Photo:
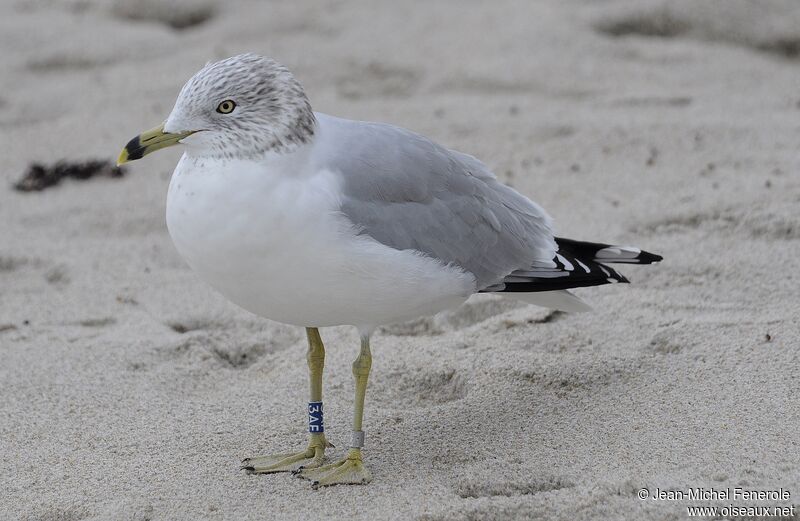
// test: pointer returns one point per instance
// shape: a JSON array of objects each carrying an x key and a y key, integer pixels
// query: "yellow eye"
[{"x": 226, "y": 107}]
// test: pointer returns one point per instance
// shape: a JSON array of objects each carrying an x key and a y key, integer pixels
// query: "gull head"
[{"x": 239, "y": 107}]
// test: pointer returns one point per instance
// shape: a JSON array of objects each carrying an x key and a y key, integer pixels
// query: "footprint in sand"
[
  {"x": 176, "y": 14},
  {"x": 768, "y": 26}
]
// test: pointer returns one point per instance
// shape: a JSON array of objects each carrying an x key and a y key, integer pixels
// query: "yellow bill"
[{"x": 150, "y": 141}]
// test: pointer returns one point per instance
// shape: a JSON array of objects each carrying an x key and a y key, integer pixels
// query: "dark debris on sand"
[{"x": 39, "y": 176}]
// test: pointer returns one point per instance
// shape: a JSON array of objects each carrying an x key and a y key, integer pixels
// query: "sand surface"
[{"x": 130, "y": 391}]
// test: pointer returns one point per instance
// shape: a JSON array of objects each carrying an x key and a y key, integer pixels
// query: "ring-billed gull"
[{"x": 314, "y": 220}]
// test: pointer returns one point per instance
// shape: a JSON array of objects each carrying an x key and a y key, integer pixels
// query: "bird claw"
[
  {"x": 287, "y": 462},
  {"x": 348, "y": 471}
]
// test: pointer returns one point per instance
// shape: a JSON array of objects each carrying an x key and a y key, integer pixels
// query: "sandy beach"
[{"x": 130, "y": 390}]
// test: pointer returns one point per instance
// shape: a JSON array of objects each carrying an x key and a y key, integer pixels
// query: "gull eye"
[{"x": 226, "y": 107}]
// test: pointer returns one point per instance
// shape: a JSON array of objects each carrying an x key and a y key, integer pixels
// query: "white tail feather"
[{"x": 561, "y": 300}]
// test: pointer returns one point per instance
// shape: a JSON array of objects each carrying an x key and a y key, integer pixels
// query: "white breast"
[{"x": 270, "y": 238}]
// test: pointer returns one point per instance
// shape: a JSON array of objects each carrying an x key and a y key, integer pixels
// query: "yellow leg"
[
  {"x": 315, "y": 452},
  {"x": 350, "y": 470}
]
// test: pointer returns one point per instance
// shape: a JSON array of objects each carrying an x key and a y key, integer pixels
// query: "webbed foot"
[{"x": 348, "y": 471}]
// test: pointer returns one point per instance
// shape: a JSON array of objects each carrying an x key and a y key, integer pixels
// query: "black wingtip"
[
  {"x": 584, "y": 249},
  {"x": 645, "y": 257}
]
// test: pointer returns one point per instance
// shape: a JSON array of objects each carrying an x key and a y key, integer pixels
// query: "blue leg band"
[{"x": 315, "y": 424}]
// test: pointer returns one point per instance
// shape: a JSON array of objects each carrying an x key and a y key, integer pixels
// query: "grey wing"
[{"x": 409, "y": 193}]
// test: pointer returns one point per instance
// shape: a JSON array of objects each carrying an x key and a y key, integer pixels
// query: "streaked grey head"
[{"x": 241, "y": 107}]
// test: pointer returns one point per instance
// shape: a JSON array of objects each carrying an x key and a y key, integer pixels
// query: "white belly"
[{"x": 276, "y": 245}]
